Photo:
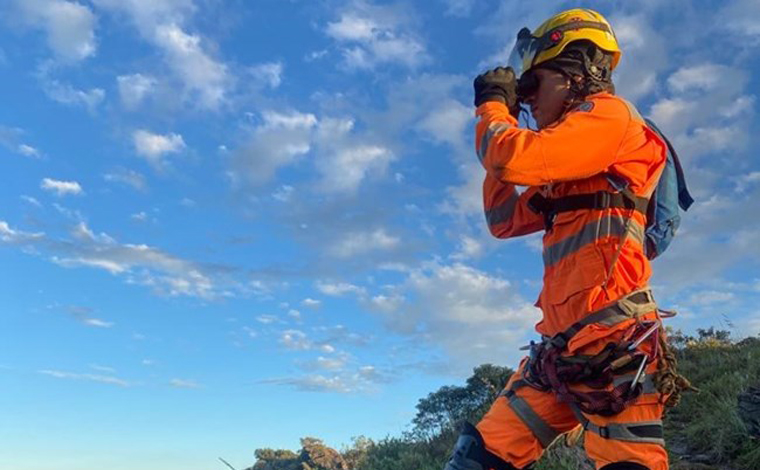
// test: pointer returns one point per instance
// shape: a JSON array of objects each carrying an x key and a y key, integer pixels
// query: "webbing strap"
[
  {"x": 646, "y": 432},
  {"x": 630, "y": 306},
  {"x": 543, "y": 432},
  {"x": 550, "y": 207}
]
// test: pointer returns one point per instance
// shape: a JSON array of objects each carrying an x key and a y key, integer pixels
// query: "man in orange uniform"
[{"x": 590, "y": 144}]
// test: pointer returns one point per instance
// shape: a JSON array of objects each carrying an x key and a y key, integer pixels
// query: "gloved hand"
[{"x": 499, "y": 84}]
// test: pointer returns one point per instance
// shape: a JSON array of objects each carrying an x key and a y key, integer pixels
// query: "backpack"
[{"x": 670, "y": 195}]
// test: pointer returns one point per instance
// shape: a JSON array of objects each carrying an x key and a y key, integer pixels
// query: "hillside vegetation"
[{"x": 717, "y": 428}]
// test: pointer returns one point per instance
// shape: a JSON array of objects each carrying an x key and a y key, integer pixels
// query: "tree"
[{"x": 441, "y": 411}]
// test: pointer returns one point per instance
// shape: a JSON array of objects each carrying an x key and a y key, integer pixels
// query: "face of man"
[{"x": 548, "y": 102}]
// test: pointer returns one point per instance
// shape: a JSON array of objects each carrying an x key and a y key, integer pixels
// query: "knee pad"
[
  {"x": 624, "y": 466},
  {"x": 470, "y": 453}
]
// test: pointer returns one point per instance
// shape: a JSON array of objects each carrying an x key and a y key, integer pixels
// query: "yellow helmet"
[{"x": 550, "y": 39}]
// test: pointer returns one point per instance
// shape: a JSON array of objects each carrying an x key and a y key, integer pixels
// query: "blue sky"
[{"x": 231, "y": 224}]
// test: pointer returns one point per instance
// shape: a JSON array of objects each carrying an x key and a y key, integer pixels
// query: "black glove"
[{"x": 499, "y": 84}]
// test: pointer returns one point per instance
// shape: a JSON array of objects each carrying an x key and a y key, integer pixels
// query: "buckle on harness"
[
  {"x": 559, "y": 341},
  {"x": 602, "y": 199}
]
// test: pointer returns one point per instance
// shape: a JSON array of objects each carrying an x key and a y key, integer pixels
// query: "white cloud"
[
  {"x": 98, "y": 323},
  {"x": 128, "y": 177},
  {"x": 133, "y": 89},
  {"x": 268, "y": 74},
  {"x": 278, "y": 142},
  {"x": 28, "y": 151},
  {"x": 459, "y": 7},
  {"x": 10, "y": 138},
  {"x": 83, "y": 315},
  {"x": 200, "y": 73},
  {"x": 205, "y": 79},
  {"x": 31, "y": 200},
  {"x": 295, "y": 340},
  {"x": 68, "y": 95},
  {"x": 183, "y": 383},
  {"x": 645, "y": 56},
  {"x": 469, "y": 248},
  {"x": 343, "y": 160},
  {"x": 352, "y": 28},
  {"x": 360, "y": 243},
  {"x": 702, "y": 77},
  {"x": 284, "y": 193},
  {"x": 266, "y": 319},
  {"x": 61, "y": 188},
  {"x": 69, "y": 26},
  {"x": 347, "y": 168},
  {"x": 156, "y": 146},
  {"x": 88, "y": 377},
  {"x": 361, "y": 379},
  {"x": 744, "y": 182},
  {"x": 473, "y": 316},
  {"x": 387, "y": 303},
  {"x": 372, "y": 35},
  {"x": 9, "y": 235},
  {"x": 137, "y": 264},
  {"x": 711, "y": 297},
  {"x": 741, "y": 17},
  {"x": 338, "y": 289},
  {"x": 139, "y": 216},
  {"x": 448, "y": 121},
  {"x": 311, "y": 303}
]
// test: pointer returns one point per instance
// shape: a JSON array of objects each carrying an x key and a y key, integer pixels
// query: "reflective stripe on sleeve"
[
  {"x": 493, "y": 129},
  {"x": 502, "y": 213},
  {"x": 608, "y": 226}
]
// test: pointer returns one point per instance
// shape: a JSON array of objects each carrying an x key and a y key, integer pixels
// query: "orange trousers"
[{"x": 506, "y": 435}]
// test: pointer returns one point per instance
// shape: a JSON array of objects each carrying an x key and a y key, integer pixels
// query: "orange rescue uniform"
[{"x": 585, "y": 266}]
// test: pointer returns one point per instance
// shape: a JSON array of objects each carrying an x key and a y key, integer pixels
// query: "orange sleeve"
[
  {"x": 507, "y": 212},
  {"x": 584, "y": 143}
]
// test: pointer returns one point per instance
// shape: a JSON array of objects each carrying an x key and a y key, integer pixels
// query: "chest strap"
[{"x": 550, "y": 207}]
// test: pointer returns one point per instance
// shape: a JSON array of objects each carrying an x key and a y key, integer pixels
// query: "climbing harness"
[{"x": 620, "y": 364}]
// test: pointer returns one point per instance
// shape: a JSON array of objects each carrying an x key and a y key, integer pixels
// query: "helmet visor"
[{"x": 525, "y": 50}]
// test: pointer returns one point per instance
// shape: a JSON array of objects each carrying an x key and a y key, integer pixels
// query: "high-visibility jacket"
[{"x": 585, "y": 267}]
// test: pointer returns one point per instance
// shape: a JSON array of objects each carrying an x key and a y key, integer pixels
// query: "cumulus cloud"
[
  {"x": 154, "y": 147},
  {"x": 133, "y": 89},
  {"x": 65, "y": 93},
  {"x": 360, "y": 243},
  {"x": 267, "y": 74},
  {"x": 644, "y": 59},
  {"x": 371, "y": 35},
  {"x": 201, "y": 74},
  {"x": 344, "y": 170},
  {"x": 279, "y": 141},
  {"x": 61, "y": 188},
  {"x": 343, "y": 159},
  {"x": 205, "y": 79},
  {"x": 68, "y": 25},
  {"x": 295, "y": 340},
  {"x": 473, "y": 316}
]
